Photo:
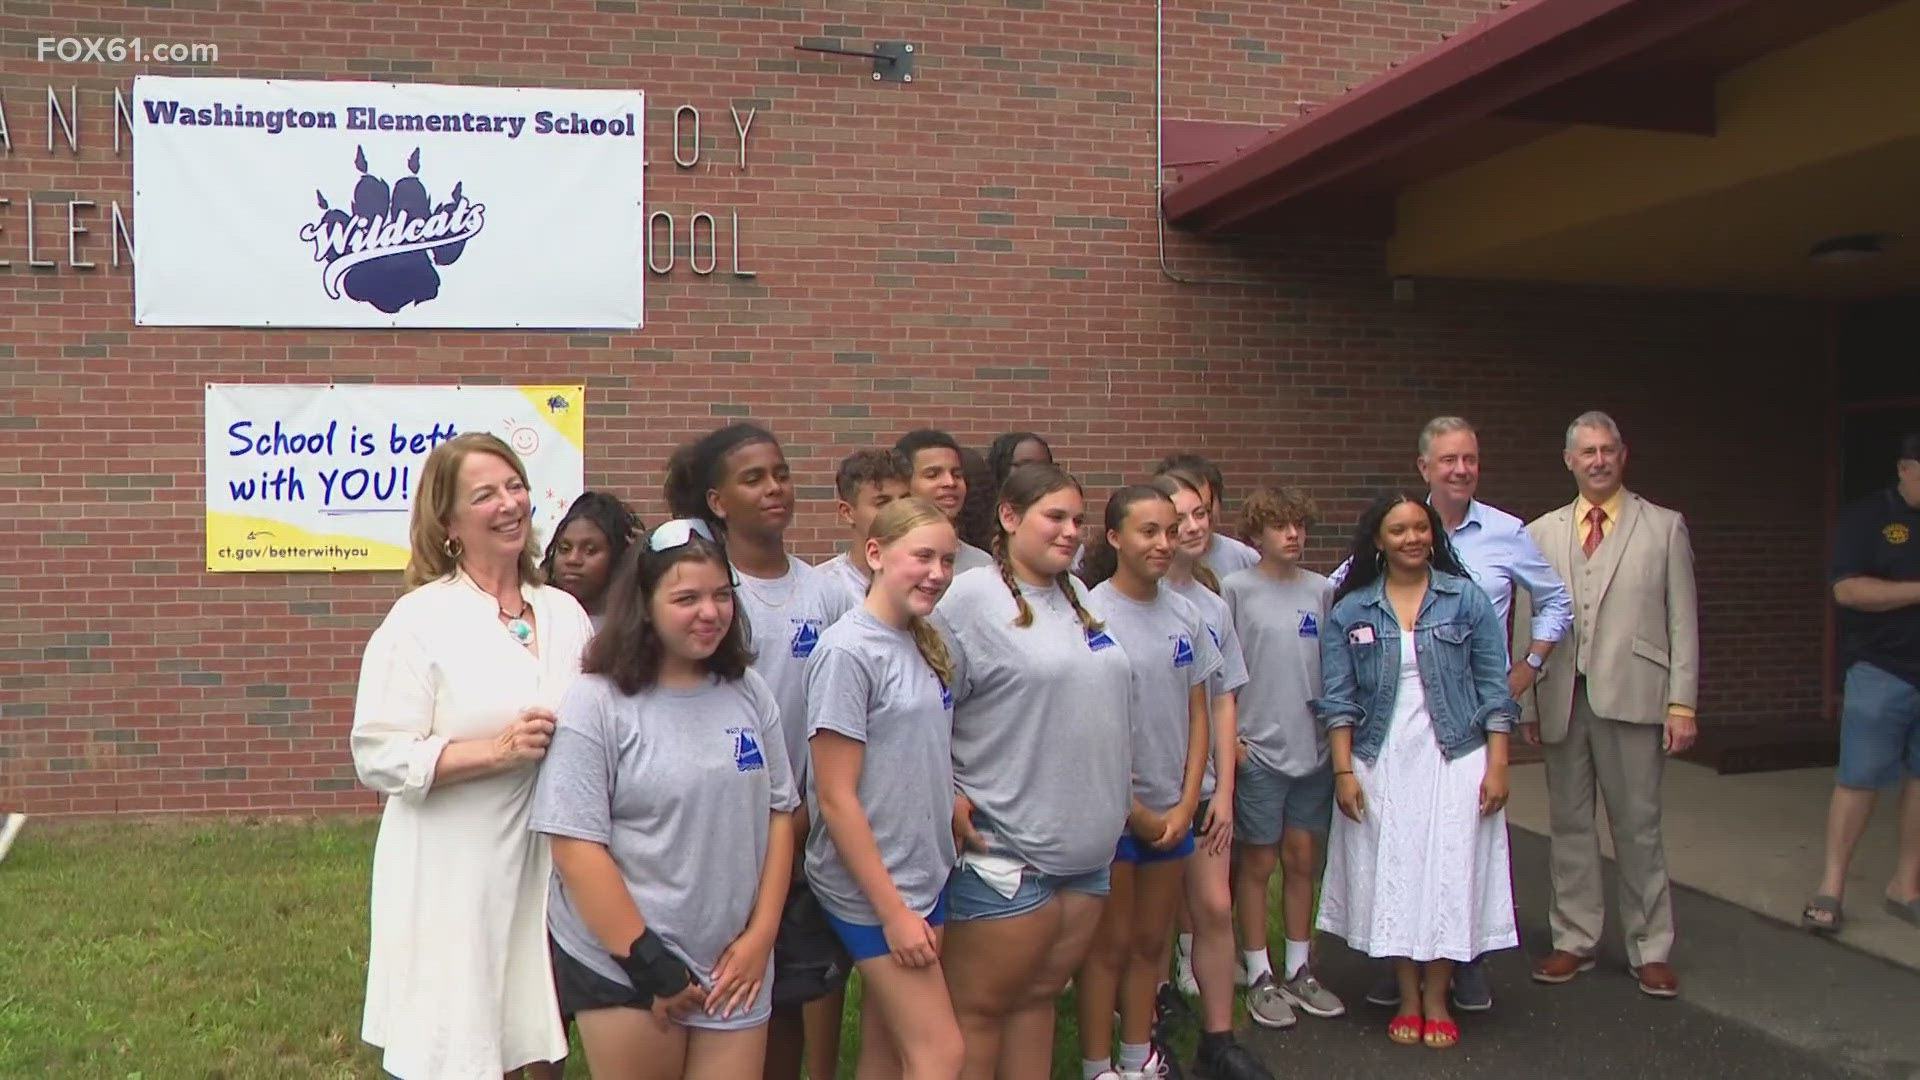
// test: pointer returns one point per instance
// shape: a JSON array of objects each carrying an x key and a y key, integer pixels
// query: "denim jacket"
[{"x": 1462, "y": 653}]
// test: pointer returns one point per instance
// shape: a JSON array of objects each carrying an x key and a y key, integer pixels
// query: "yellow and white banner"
[{"x": 323, "y": 477}]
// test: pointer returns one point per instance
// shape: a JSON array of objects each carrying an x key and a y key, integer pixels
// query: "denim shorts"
[
  {"x": 969, "y": 897},
  {"x": 1266, "y": 803},
  {"x": 1879, "y": 728},
  {"x": 1131, "y": 849},
  {"x": 865, "y": 942}
]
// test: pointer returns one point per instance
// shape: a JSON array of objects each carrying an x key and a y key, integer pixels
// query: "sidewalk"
[{"x": 1757, "y": 840}]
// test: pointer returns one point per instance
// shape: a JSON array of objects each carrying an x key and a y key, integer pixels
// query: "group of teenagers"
[{"x": 669, "y": 785}]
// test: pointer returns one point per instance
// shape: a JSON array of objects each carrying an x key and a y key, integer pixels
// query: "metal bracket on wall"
[{"x": 892, "y": 60}]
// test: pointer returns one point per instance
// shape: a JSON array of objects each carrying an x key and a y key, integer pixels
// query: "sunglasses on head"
[{"x": 678, "y": 533}]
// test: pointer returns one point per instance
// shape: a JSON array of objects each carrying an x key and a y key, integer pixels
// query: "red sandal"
[
  {"x": 1407, "y": 1030},
  {"x": 1441, "y": 1035}
]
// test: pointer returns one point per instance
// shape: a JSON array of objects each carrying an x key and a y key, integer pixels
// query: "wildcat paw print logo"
[
  {"x": 805, "y": 638},
  {"x": 383, "y": 249},
  {"x": 746, "y": 751},
  {"x": 1183, "y": 651}
]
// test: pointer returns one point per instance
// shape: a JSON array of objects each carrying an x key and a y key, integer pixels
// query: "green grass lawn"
[{"x": 228, "y": 949}]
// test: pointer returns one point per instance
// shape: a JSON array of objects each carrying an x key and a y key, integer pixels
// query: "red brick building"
[{"x": 977, "y": 249}]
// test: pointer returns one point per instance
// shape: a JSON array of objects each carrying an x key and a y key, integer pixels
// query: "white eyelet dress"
[{"x": 1424, "y": 875}]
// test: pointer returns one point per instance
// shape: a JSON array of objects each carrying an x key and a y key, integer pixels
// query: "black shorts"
[
  {"x": 580, "y": 988},
  {"x": 809, "y": 959}
]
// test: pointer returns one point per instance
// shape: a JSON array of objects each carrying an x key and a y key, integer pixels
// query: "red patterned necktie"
[{"x": 1594, "y": 534}]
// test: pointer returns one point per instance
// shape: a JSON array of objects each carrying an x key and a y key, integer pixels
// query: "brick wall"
[{"x": 975, "y": 250}]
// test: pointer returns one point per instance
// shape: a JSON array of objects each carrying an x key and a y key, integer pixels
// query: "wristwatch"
[{"x": 1536, "y": 661}]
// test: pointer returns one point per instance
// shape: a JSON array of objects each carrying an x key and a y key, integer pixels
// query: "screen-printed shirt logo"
[
  {"x": 805, "y": 636},
  {"x": 1182, "y": 651},
  {"x": 746, "y": 750}
]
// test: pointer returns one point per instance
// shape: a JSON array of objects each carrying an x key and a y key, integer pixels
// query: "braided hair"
[{"x": 1026, "y": 485}]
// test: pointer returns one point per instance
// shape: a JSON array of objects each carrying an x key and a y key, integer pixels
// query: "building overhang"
[{"x": 1665, "y": 143}]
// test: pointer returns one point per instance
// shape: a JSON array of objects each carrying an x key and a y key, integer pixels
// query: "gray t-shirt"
[
  {"x": 840, "y": 571},
  {"x": 786, "y": 616},
  {"x": 1170, "y": 653},
  {"x": 869, "y": 683},
  {"x": 1279, "y": 624},
  {"x": 1233, "y": 666},
  {"x": 970, "y": 557},
  {"x": 680, "y": 786},
  {"x": 1041, "y": 738},
  {"x": 1227, "y": 556}
]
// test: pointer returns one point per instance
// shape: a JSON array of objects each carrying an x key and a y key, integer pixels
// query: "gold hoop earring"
[{"x": 452, "y": 547}]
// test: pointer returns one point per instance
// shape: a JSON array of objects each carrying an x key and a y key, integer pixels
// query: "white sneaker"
[
  {"x": 1155, "y": 1068},
  {"x": 9, "y": 828},
  {"x": 1183, "y": 979}
]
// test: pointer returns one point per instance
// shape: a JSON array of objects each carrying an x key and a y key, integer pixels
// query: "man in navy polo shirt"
[{"x": 1876, "y": 582}]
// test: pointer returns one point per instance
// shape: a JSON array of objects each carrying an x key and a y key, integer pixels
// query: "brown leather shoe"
[
  {"x": 1560, "y": 966},
  {"x": 1658, "y": 979}
]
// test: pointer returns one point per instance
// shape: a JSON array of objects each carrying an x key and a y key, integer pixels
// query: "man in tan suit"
[{"x": 1614, "y": 699}]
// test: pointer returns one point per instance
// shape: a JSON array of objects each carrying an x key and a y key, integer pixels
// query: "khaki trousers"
[{"x": 1627, "y": 762}]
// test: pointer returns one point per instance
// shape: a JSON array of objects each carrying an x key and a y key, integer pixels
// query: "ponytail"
[{"x": 933, "y": 649}]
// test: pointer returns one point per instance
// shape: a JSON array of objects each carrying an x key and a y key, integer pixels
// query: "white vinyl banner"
[
  {"x": 323, "y": 477},
  {"x": 266, "y": 202}
]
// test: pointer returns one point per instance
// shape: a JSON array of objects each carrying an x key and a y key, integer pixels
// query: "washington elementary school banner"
[
  {"x": 266, "y": 202},
  {"x": 323, "y": 477}
]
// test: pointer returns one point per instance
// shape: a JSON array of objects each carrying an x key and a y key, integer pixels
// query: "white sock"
[
  {"x": 1184, "y": 942},
  {"x": 1090, "y": 1068},
  {"x": 1296, "y": 957},
  {"x": 1133, "y": 1056},
  {"x": 1256, "y": 963}
]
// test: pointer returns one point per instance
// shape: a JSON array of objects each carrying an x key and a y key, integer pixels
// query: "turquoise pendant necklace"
[{"x": 518, "y": 626}]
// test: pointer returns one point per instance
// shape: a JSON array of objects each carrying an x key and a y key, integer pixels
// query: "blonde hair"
[
  {"x": 895, "y": 520},
  {"x": 430, "y": 558},
  {"x": 1025, "y": 485}
]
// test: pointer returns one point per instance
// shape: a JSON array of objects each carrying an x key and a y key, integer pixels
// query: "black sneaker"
[
  {"x": 1170, "y": 1007},
  {"x": 1229, "y": 1061}
]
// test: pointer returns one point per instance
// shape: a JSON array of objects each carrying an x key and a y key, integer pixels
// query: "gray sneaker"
[
  {"x": 1305, "y": 993},
  {"x": 1267, "y": 1003}
]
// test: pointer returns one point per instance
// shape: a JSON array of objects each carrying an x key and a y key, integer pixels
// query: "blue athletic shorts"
[
  {"x": 1130, "y": 849},
  {"x": 865, "y": 942}
]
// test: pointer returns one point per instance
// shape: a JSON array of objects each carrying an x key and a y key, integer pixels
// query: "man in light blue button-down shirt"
[{"x": 1501, "y": 555}]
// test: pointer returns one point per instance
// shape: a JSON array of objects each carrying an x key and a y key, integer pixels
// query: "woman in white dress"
[
  {"x": 455, "y": 708},
  {"x": 1414, "y": 696}
]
